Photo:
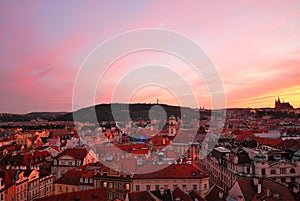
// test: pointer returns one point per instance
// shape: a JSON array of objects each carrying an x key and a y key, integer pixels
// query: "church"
[{"x": 282, "y": 105}]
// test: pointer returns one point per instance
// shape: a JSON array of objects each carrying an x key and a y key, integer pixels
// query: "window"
[
  {"x": 292, "y": 171},
  {"x": 116, "y": 186},
  {"x": 175, "y": 186},
  {"x": 263, "y": 171},
  {"x": 115, "y": 195},
  {"x": 104, "y": 184},
  {"x": 248, "y": 170},
  {"x": 148, "y": 187},
  {"x": 137, "y": 187},
  {"x": 184, "y": 187},
  {"x": 205, "y": 186},
  {"x": 293, "y": 179},
  {"x": 127, "y": 187},
  {"x": 157, "y": 187},
  {"x": 195, "y": 187},
  {"x": 282, "y": 171},
  {"x": 282, "y": 180},
  {"x": 273, "y": 171}
]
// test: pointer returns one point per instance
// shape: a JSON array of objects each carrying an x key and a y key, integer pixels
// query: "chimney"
[
  {"x": 221, "y": 194},
  {"x": 259, "y": 188}
]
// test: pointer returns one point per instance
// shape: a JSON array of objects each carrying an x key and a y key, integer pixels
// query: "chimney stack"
[
  {"x": 221, "y": 194},
  {"x": 259, "y": 188}
]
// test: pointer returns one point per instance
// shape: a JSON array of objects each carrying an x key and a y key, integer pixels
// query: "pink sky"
[{"x": 255, "y": 46}]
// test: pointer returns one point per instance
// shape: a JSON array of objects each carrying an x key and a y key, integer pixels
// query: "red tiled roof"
[
  {"x": 71, "y": 177},
  {"x": 158, "y": 140},
  {"x": 98, "y": 194},
  {"x": 262, "y": 141},
  {"x": 195, "y": 195},
  {"x": 134, "y": 148},
  {"x": 178, "y": 193},
  {"x": 290, "y": 144},
  {"x": 249, "y": 190},
  {"x": 76, "y": 153},
  {"x": 178, "y": 171},
  {"x": 9, "y": 177},
  {"x": 142, "y": 196},
  {"x": 35, "y": 157},
  {"x": 214, "y": 194},
  {"x": 246, "y": 188}
]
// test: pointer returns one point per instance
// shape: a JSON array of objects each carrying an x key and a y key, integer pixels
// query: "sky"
[{"x": 254, "y": 45}]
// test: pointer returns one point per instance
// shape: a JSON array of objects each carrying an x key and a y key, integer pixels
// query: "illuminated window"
[
  {"x": 127, "y": 187},
  {"x": 104, "y": 184}
]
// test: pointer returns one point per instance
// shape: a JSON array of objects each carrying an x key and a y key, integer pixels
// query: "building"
[
  {"x": 68, "y": 159},
  {"x": 282, "y": 105},
  {"x": 184, "y": 176},
  {"x": 76, "y": 179},
  {"x": 117, "y": 184},
  {"x": 24, "y": 140},
  {"x": 25, "y": 185},
  {"x": 255, "y": 190},
  {"x": 278, "y": 169},
  {"x": 226, "y": 166}
]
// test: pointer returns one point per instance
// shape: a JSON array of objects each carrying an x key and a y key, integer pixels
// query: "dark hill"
[{"x": 122, "y": 112}]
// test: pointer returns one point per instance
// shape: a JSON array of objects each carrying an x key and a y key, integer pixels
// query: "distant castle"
[{"x": 282, "y": 105}]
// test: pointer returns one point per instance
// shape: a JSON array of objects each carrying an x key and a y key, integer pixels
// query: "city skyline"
[{"x": 255, "y": 47}]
